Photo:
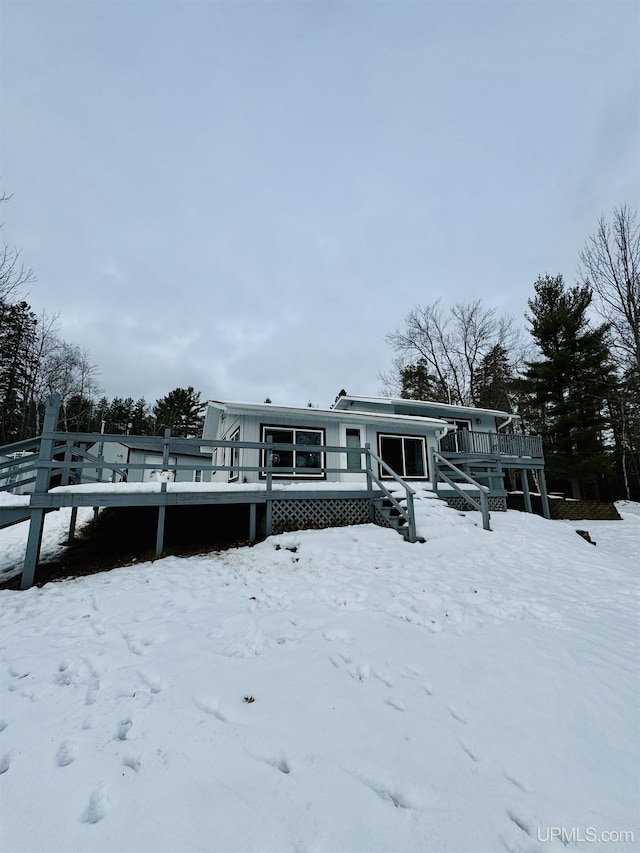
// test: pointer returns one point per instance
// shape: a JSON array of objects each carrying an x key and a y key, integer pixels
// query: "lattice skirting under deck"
[
  {"x": 317, "y": 514},
  {"x": 496, "y": 504}
]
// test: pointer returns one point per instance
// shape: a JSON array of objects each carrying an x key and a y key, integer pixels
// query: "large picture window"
[
  {"x": 404, "y": 454},
  {"x": 307, "y": 461}
]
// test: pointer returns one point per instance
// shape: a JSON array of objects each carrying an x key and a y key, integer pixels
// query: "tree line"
[{"x": 574, "y": 378}]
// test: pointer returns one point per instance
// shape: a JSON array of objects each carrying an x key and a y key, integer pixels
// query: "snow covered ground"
[
  {"x": 334, "y": 690},
  {"x": 13, "y": 539}
]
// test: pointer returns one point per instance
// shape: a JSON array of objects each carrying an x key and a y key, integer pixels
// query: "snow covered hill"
[{"x": 328, "y": 691}]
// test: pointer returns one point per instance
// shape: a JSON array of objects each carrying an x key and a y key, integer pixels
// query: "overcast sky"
[{"x": 247, "y": 197}]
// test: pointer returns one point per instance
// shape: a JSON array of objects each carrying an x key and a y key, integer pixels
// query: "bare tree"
[
  {"x": 610, "y": 264},
  {"x": 452, "y": 344},
  {"x": 13, "y": 273},
  {"x": 69, "y": 372}
]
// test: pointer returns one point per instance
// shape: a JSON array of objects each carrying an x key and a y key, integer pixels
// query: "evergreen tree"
[
  {"x": 565, "y": 390},
  {"x": 17, "y": 336},
  {"x": 493, "y": 381},
  {"x": 180, "y": 410},
  {"x": 141, "y": 420},
  {"x": 417, "y": 383},
  {"x": 119, "y": 416}
]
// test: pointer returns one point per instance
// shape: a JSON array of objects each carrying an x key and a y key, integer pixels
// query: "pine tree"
[
  {"x": 17, "y": 335},
  {"x": 180, "y": 410},
  {"x": 141, "y": 420},
  {"x": 493, "y": 381},
  {"x": 564, "y": 391},
  {"x": 417, "y": 383}
]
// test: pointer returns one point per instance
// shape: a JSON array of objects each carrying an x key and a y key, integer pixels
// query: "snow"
[
  {"x": 469, "y": 694},
  {"x": 156, "y": 486},
  {"x": 13, "y": 540}
]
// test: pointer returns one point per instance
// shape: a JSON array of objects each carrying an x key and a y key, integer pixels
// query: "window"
[
  {"x": 309, "y": 463},
  {"x": 404, "y": 454},
  {"x": 197, "y": 476},
  {"x": 353, "y": 439},
  {"x": 234, "y": 456}
]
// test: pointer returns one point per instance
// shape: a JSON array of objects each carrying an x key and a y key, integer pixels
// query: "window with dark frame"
[
  {"x": 404, "y": 454},
  {"x": 308, "y": 462}
]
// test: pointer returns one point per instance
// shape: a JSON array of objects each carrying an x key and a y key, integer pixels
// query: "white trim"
[
  {"x": 425, "y": 466},
  {"x": 307, "y": 413},
  {"x": 234, "y": 452}
]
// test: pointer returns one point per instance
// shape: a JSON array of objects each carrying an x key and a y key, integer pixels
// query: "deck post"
[
  {"x": 72, "y": 524},
  {"x": 372, "y": 510},
  {"x": 252, "y": 523},
  {"x": 162, "y": 510},
  {"x": 269, "y": 490},
  {"x": 43, "y": 477},
  {"x": 160, "y": 531},
  {"x": 34, "y": 541},
  {"x": 526, "y": 494},
  {"x": 412, "y": 518},
  {"x": 543, "y": 494}
]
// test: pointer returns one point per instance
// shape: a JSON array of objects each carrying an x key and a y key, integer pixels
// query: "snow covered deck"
[{"x": 173, "y": 494}]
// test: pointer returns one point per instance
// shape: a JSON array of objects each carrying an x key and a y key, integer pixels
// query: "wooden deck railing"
[{"x": 494, "y": 444}]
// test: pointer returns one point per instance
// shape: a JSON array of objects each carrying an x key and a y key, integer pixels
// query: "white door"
[{"x": 352, "y": 435}]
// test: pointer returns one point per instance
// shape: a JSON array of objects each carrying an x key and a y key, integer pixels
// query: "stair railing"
[
  {"x": 408, "y": 512},
  {"x": 437, "y": 460}
]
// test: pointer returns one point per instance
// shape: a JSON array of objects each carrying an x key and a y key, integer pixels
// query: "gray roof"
[{"x": 177, "y": 446}]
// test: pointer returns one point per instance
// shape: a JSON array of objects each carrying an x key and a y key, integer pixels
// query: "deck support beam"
[
  {"x": 543, "y": 494},
  {"x": 72, "y": 524},
  {"x": 36, "y": 526},
  {"x": 526, "y": 494},
  {"x": 162, "y": 511},
  {"x": 252, "y": 523}
]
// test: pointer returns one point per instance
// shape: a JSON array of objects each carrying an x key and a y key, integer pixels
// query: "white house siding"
[{"x": 334, "y": 426}]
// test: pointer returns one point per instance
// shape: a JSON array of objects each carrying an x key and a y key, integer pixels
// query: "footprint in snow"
[
  {"x": 384, "y": 678},
  {"x": 67, "y": 753},
  {"x": 515, "y": 781},
  {"x": 211, "y": 707},
  {"x": 152, "y": 682},
  {"x": 3, "y": 725},
  {"x": 410, "y": 670},
  {"x": 123, "y": 729},
  {"x": 519, "y": 821},
  {"x": 456, "y": 714},
  {"x": 472, "y": 755},
  {"x": 361, "y": 671},
  {"x": 280, "y": 762},
  {"x": 96, "y": 809},
  {"x": 132, "y": 761},
  {"x": 5, "y": 762},
  {"x": 395, "y": 703}
]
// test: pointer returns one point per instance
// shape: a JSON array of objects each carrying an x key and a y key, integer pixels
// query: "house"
[
  {"x": 458, "y": 451},
  {"x": 403, "y": 442},
  {"x": 136, "y": 451}
]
